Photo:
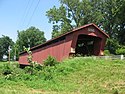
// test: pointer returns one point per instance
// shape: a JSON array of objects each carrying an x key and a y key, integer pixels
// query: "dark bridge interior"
[{"x": 85, "y": 45}]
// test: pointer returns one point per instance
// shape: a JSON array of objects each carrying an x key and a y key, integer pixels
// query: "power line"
[
  {"x": 26, "y": 12},
  {"x": 33, "y": 12}
]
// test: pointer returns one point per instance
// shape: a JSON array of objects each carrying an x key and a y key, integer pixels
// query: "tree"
[
  {"x": 5, "y": 43},
  {"x": 121, "y": 21},
  {"x": 110, "y": 10},
  {"x": 75, "y": 13},
  {"x": 72, "y": 14},
  {"x": 110, "y": 24},
  {"x": 29, "y": 38}
]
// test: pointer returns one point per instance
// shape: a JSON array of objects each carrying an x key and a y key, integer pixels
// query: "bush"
[
  {"x": 33, "y": 68},
  {"x": 48, "y": 73},
  {"x": 11, "y": 71},
  {"x": 106, "y": 52},
  {"x": 112, "y": 45},
  {"x": 36, "y": 65},
  {"x": 7, "y": 69},
  {"x": 29, "y": 69},
  {"x": 50, "y": 61},
  {"x": 120, "y": 51}
]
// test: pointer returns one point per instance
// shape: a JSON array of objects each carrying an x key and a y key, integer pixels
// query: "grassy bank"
[{"x": 73, "y": 76}]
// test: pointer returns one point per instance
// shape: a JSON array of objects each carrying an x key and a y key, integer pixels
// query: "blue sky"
[{"x": 17, "y": 15}]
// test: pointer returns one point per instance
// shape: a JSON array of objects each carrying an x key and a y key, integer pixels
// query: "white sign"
[
  {"x": 72, "y": 50},
  {"x": 91, "y": 30}
]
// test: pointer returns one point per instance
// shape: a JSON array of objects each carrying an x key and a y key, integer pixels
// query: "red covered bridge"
[{"x": 85, "y": 40}]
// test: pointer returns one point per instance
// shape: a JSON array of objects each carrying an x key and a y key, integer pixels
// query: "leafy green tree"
[
  {"x": 29, "y": 38},
  {"x": 72, "y": 14},
  {"x": 113, "y": 22},
  {"x": 5, "y": 43},
  {"x": 121, "y": 20},
  {"x": 75, "y": 13},
  {"x": 110, "y": 10}
]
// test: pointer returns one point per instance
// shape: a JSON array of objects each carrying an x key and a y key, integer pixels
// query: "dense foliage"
[
  {"x": 29, "y": 38},
  {"x": 120, "y": 51},
  {"x": 5, "y": 44},
  {"x": 50, "y": 61}
]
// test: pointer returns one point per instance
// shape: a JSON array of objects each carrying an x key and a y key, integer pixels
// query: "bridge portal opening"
[{"x": 86, "y": 45}]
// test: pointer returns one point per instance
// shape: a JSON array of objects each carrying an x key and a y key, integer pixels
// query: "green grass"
[{"x": 74, "y": 76}]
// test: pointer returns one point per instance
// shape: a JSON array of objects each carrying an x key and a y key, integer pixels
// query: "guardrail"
[{"x": 121, "y": 57}]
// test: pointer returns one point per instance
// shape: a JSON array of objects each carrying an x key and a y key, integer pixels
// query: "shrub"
[
  {"x": 11, "y": 71},
  {"x": 50, "y": 61},
  {"x": 112, "y": 45},
  {"x": 106, "y": 52},
  {"x": 34, "y": 66},
  {"x": 7, "y": 69},
  {"x": 120, "y": 51},
  {"x": 38, "y": 66},
  {"x": 28, "y": 69},
  {"x": 9, "y": 77},
  {"x": 48, "y": 73},
  {"x": 29, "y": 58}
]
